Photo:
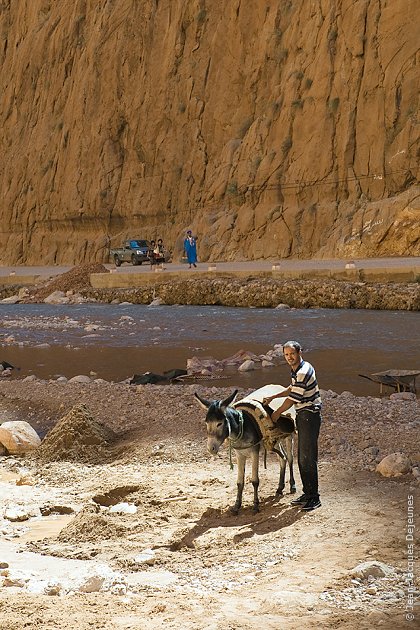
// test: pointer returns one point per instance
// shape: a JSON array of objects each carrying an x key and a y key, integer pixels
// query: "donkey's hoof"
[
  {"x": 279, "y": 493},
  {"x": 234, "y": 510},
  {"x": 255, "y": 509},
  {"x": 293, "y": 490}
]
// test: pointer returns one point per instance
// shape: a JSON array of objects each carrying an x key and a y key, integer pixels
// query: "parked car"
[{"x": 134, "y": 251}]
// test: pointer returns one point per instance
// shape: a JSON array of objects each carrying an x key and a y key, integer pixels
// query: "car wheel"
[
  {"x": 117, "y": 261},
  {"x": 134, "y": 260}
]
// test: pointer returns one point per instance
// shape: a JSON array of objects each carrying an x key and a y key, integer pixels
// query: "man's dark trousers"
[{"x": 308, "y": 424}]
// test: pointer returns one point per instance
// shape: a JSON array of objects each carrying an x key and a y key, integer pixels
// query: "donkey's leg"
[
  {"x": 282, "y": 461},
  {"x": 255, "y": 459},
  {"x": 288, "y": 447},
  {"x": 240, "y": 460}
]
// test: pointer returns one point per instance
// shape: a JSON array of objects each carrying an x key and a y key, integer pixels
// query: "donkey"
[{"x": 240, "y": 428}]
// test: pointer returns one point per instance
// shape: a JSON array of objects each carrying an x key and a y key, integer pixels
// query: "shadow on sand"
[{"x": 272, "y": 517}]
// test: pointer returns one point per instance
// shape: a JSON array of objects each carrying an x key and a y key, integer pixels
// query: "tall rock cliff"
[{"x": 271, "y": 128}]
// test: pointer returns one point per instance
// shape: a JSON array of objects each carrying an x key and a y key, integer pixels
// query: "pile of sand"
[
  {"x": 90, "y": 525},
  {"x": 76, "y": 437},
  {"x": 74, "y": 280}
]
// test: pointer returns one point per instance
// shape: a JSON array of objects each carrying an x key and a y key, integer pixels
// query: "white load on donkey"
[
  {"x": 253, "y": 404},
  {"x": 245, "y": 425}
]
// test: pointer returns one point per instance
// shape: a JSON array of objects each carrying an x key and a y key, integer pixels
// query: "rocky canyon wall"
[{"x": 272, "y": 129}]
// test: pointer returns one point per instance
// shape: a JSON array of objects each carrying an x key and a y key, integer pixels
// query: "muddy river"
[{"x": 116, "y": 341}]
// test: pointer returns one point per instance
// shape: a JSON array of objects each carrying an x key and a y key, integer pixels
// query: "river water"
[{"x": 117, "y": 341}]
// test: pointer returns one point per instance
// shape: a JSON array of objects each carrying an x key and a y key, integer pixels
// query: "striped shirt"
[{"x": 304, "y": 389}]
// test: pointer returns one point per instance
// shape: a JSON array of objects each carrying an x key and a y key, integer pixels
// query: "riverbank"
[
  {"x": 269, "y": 293},
  {"x": 136, "y": 533},
  {"x": 253, "y": 290}
]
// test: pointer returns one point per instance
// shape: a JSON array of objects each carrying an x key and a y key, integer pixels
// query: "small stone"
[
  {"x": 118, "y": 589},
  {"x": 53, "y": 589},
  {"x": 403, "y": 396},
  {"x": 123, "y": 508},
  {"x": 25, "y": 480},
  {"x": 147, "y": 556},
  {"x": 92, "y": 584},
  {"x": 19, "y": 582}
]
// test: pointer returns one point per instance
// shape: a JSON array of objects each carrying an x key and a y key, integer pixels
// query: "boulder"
[
  {"x": 156, "y": 302},
  {"x": 17, "y": 437},
  {"x": 394, "y": 465},
  {"x": 372, "y": 568},
  {"x": 57, "y": 297},
  {"x": 17, "y": 514},
  {"x": 247, "y": 366},
  {"x": 80, "y": 378}
]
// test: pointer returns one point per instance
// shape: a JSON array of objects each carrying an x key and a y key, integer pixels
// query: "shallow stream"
[{"x": 116, "y": 341}]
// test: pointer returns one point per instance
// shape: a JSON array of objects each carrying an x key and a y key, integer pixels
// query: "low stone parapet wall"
[{"x": 121, "y": 279}]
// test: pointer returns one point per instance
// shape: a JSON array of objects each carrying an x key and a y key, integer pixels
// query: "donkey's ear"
[
  {"x": 202, "y": 401},
  {"x": 226, "y": 402}
]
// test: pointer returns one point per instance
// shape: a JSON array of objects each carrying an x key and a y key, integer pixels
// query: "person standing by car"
[
  {"x": 160, "y": 246},
  {"x": 304, "y": 394},
  {"x": 190, "y": 247},
  {"x": 152, "y": 253}
]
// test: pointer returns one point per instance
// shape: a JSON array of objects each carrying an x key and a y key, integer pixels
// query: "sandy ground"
[{"x": 178, "y": 558}]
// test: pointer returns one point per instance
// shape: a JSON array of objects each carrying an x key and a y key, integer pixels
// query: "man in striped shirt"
[{"x": 304, "y": 394}]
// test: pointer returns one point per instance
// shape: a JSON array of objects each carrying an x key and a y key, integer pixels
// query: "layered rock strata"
[{"x": 272, "y": 129}]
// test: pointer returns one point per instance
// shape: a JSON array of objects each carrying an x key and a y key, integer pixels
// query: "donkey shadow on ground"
[{"x": 272, "y": 517}]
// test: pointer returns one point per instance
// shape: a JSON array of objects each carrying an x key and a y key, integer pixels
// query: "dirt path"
[{"x": 181, "y": 559}]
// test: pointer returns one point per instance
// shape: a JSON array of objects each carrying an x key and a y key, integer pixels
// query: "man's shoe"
[
  {"x": 300, "y": 500},
  {"x": 311, "y": 504}
]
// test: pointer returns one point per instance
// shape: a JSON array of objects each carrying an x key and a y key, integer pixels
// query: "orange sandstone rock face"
[{"x": 272, "y": 129}]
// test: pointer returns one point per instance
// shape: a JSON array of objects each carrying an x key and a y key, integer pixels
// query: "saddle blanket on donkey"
[{"x": 271, "y": 433}]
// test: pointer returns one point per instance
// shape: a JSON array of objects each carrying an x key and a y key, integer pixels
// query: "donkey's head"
[{"x": 217, "y": 427}]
